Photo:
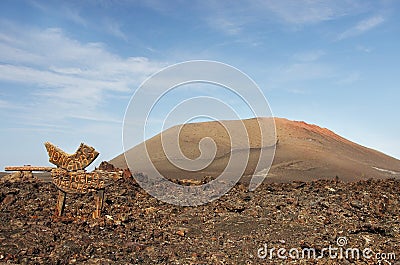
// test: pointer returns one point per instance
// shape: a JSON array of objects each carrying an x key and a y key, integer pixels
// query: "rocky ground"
[{"x": 136, "y": 228}]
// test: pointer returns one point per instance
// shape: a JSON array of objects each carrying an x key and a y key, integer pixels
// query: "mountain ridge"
[{"x": 303, "y": 152}]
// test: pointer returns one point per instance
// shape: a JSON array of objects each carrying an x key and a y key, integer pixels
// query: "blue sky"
[{"x": 69, "y": 68}]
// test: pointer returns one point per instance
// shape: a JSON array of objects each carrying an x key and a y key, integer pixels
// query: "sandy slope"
[{"x": 304, "y": 152}]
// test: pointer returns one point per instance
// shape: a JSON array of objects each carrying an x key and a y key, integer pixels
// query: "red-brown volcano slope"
[{"x": 303, "y": 152}]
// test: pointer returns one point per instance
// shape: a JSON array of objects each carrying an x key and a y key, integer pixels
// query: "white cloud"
[
  {"x": 350, "y": 78},
  {"x": 369, "y": 23},
  {"x": 310, "y": 11},
  {"x": 307, "y": 71},
  {"x": 225, "y": 25},
  {"x": 362, "y": 27},
  {"x": 294, "y": 77},
  {"x": 67, "y": 76},
  {"x": 234, "y": 17},
  {"x": 75, "y": 17},
  {"x": 6, "y": 105},
  {"x": 114, "y": 28},
  {"x": 363, "y": 48},
  {"x": 309, "y": 56}
]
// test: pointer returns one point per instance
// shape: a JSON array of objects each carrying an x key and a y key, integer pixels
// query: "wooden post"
[
  {"x": 99, "y": 199},
  {"x": 60, "y": 202},
  {"x": 29, "y": 168}
]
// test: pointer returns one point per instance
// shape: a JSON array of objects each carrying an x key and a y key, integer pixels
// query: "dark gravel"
[{"x": 136, "y": 228}]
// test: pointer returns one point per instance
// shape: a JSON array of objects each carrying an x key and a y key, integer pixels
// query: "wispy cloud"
[
  {"x": 74, "y": 16},
  {"x": 233, "y": 19},
  {"x": 308, "y": 11},
  {"x": 350, "y": 78},
  {"x": 67, "y": 77},
  {"x": 309, "y": 56},
  {"x": 4, "y": 104},
  {"x": 114, "y": 28},
  {"x": 74, "y": 13},
  {"x": 225, "y": 25},
  {"x": 295, "y": 76},
  {"x": 306, "y": 65},
  {"x": 307, "y": 71},
  {"x": 362, "y": 27},
  {"x": 71, "y": 12},
  {"x": 363, "y": 48},
  {"x": 53, "y": 87}
]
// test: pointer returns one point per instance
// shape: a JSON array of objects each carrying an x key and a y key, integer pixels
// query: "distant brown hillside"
[{"x": 304, "y": 152}]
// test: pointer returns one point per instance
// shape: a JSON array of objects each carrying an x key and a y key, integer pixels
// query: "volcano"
[{"x": 304, "y": 152}]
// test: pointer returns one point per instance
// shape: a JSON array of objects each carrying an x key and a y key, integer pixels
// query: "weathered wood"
[
  {"x": 70, "y": 177},
  {"x": 28, "y": 168},
  {"x": 60, "y": 202},
  {"x": 79, "y": 160},
  {"x": 99, "y": 199},
  {"x": 81, "y": 181}
]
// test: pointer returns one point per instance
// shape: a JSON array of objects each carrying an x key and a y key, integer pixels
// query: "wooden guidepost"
[
  {"x": 99, "y": 199},
  {"x": 70, "y": 175},
  {"x": 29, "y": 168},
  {"x": 60, "y": 202}
]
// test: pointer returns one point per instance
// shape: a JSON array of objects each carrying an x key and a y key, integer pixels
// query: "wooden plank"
[
  {"x": 79, "y": 160},
  {"x": 99, "y": 199},
  {"x": 60, "y": 202},
  {"x": 28, "y": 168}
]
